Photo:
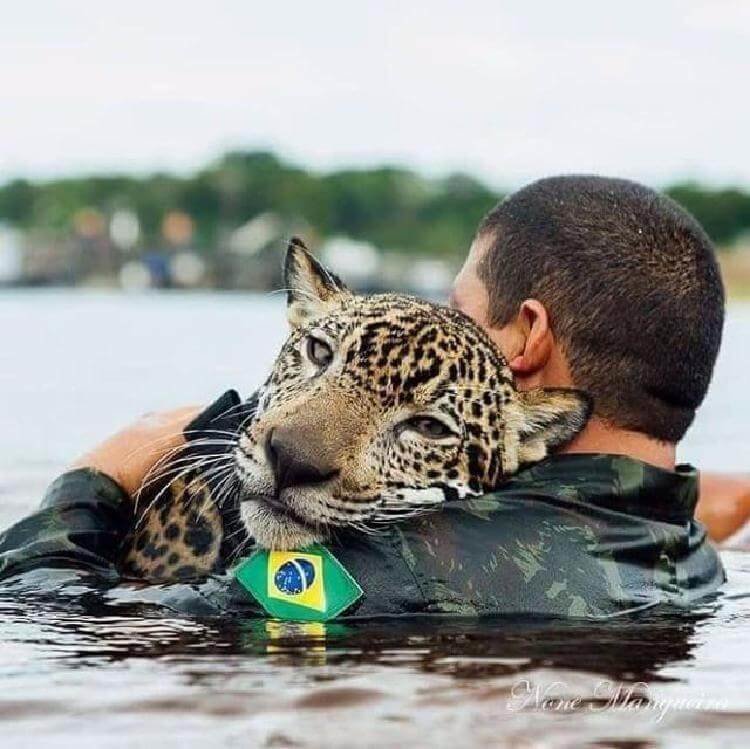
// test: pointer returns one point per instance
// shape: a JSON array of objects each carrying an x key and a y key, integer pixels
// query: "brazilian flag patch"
[{"x": 306, "y": 585}]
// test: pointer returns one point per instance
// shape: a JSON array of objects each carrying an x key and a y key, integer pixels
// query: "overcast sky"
[{"x": 510, "y": 91}]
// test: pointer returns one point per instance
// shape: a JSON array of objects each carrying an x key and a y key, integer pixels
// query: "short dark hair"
[{"x": 632, "y": 287}]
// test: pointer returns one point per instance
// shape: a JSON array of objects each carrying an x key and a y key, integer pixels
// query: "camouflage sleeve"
[
  {"x": 478, "y": 560},
  {"x": 472, "y": 561},
  {"x": 80, "y": 525},
  {"x": 492, "y": 556}
]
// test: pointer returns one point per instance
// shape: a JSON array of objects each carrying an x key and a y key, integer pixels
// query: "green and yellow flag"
[{"x": 306, "y": 585}]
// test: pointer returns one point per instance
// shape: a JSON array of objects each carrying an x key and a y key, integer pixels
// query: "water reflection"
[
  {"x": 85, "y": 664},
  {"x": 90, "y": 632}
]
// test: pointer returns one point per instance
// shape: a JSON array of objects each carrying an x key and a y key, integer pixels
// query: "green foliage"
[
  {"x": 724, "y": 213},
  {"x": 392, "y": 207},
  {"x": 17, "y": 202}
]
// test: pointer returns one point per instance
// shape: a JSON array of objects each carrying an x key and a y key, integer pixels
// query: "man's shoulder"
[
  {"x": 596, "y": 483},
  {"x": 582, "y": 535}
]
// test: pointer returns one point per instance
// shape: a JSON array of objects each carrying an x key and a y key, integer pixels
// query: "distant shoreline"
[{"x": 735, "y": 270}]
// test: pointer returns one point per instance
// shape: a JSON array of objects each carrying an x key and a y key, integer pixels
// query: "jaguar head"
[{"x": 382, "y": 407}]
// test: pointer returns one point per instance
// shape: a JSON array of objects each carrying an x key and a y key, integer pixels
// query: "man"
[
  {"x": 586, "y": 280},
  {"x": 589, "y": 282}
]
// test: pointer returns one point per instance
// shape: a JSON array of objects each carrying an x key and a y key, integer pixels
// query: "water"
[{"x": 74, "y": 367}]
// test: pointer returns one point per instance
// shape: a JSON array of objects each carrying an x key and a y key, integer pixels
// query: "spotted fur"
[{"x": 378, "y": 408}]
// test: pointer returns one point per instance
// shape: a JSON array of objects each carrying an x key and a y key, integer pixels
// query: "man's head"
[{"x": 606, "y": 285}]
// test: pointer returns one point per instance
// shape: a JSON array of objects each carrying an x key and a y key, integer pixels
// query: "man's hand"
[
  {"x": 724, "y": 504},
  {"x": 131, "y": 453}
]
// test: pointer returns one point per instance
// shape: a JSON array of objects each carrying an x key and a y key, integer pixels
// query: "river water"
[{"x": 75, "y": 366}]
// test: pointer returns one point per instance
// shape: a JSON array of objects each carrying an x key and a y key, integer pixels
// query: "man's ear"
[
  {"x": 312, "y": 290},
  {"x": 549, "y": 418},
  {"x": 532, "y": 324}
]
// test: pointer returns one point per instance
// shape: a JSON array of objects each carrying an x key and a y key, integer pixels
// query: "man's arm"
[
  {"x": 131, "y": 453},
  {"x": 724, "y": 504},
  {"x": 80, "y": 525},
  {"x": 87, "y": 512}
]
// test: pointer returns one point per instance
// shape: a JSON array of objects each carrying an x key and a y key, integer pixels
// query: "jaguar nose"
[{"x": 292, "y": 462}]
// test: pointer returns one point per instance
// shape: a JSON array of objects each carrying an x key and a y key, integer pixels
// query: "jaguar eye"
[
  {"x": 428, "y": 427},
  {"x": 318, "y": 352}
]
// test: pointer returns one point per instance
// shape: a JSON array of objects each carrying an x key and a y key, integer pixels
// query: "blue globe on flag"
[{"x": 294, "y": 577}]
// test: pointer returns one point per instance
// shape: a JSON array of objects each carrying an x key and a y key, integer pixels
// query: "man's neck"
[{"x": 600, "y": 437}]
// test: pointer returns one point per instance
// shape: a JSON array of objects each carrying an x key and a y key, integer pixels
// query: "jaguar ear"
[
  {"x": 549, "y": 418},
  {"x": 311, "y": 289}
]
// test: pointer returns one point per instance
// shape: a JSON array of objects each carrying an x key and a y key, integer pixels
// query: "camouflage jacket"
[{"x": 589, "y": 536}]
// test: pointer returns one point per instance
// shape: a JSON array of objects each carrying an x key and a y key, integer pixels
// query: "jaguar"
[{"x": 377, "y": 409}]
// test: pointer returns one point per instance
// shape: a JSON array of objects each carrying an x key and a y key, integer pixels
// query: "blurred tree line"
[
  {"x": 724, "y": 213},
  {"x": 393, "y": 208}
]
